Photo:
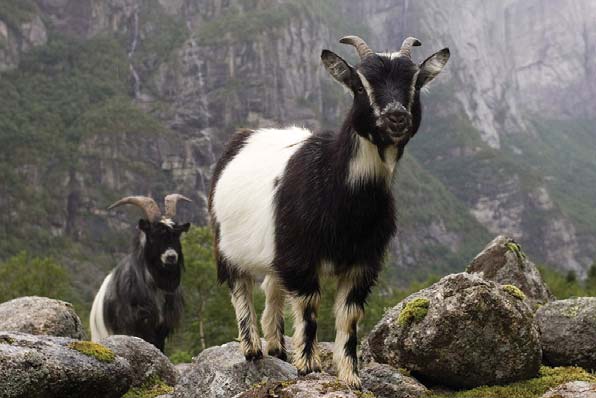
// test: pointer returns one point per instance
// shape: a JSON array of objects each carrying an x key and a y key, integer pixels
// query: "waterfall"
[
  {"x": 203, "y": 101},
  {"x": 133, "y": 47}
]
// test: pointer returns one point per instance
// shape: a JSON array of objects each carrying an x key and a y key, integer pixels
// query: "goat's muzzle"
[{"x": 396, "y": 121}]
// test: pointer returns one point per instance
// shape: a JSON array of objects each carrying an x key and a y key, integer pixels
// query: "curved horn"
[
  {"x": 406, "y": 46},
  {"x": 148, "y": 205},
  {"x": 171, "y": 201},
  {"x": 361, "y": 46}
]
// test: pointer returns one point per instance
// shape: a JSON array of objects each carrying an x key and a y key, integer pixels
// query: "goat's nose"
[{"x": 399, "y": 120}]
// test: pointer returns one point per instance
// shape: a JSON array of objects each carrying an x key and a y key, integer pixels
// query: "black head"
[
  {"x": 163, "y": 251},
  {"x": 386, "y": 89}
]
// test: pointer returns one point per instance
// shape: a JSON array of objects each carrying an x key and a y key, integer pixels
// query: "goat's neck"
[{"x": 366, "y": 162}]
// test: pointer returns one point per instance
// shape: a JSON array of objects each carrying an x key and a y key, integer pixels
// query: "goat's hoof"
[
  {"x": 353, "y": 382},
  {"x": 252, "y": 356},
  {"x": 281, "y": 354},
  {"x": 308, "y": 370}
]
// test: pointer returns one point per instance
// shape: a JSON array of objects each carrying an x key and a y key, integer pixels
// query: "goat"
[
  {"x": 291, "y": 204},
  {"x": 142, "y": 295}
]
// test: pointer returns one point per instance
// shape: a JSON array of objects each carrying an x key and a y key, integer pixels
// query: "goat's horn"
[
  {"x": 406, "y": 46},
  {"x": 171, "y": 201},
  {"x": 361, "y": 46},
  {"x": 148, "y": 205}
]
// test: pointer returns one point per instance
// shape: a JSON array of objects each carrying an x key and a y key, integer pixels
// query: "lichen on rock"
[
  {"x": 97, "y": 351},
  {"x": 414, "y": 311}
]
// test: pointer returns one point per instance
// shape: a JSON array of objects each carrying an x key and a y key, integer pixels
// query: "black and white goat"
[
  {"x": 291, "y": 205},
  {"x": 142, "y": 295}
]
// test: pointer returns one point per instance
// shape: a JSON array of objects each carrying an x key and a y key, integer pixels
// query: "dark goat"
[
  {"x": 142, "y": 295},
  {"x": 291, "y": 205}
]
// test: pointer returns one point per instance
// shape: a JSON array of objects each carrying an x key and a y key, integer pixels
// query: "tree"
[
  {"x": 208, "y": 315},
  {"x": 24, "y": 275}
]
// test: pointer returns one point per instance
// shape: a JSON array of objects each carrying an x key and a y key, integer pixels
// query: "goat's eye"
[{"x": 360, "y": 90}]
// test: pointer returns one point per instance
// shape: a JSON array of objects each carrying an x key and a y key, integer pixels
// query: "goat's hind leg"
[
  {"x": 272, "y": 320},
  {"x": 241, "y": 289}
]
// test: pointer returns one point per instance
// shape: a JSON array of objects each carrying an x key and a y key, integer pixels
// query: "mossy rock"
[
  {"x": 532, "y": 388},
  {"x": 97, "y": 351},
  {"x": 452, "y": 341}
]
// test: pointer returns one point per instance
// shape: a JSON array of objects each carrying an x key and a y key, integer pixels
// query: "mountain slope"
[{"x": 100, "y": 99}]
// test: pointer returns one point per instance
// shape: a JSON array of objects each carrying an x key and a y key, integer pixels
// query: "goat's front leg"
[
  {"x": 306, "y": 353},
  {"x": 250, "y": 343},
  {"x": 352, "y": 290},
  {"x": 272, "y": 320}
]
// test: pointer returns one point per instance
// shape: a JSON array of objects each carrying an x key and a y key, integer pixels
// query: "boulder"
[
  {"x": 222, "y": 372},
  {"x": 314, "y": 385},
  {"x": 568, "y": 329},
  {"x": 146, "y": 361},
  {"x": 503, "y": 261},
  {"x": 384, "y": 381},
  {"x": 573, "y": 389},
  {"x": 41, "y": 315},
  {"x": 464, "y": 331},
  {"x": 47, "y": 367}
]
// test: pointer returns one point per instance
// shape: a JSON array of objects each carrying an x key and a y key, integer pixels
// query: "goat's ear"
[
  {"x": 431, "y": 67},
  {"x": 338, "y": 68},
  {"x": 144, "y": 225}
]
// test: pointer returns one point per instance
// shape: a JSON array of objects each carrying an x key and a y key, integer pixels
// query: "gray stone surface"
[
  {"x": 314, "y": 385},
  {"x": 569, "y": 332},
  {"x": 222, "y": 372},
  {"x": 144, "y": 358},
  {"x": 45, "y": 367},
  {"x": 474, "y": 333},
  {"x": 574, "y": 389},
  {"x": 41, "y": 315},
  {"x": 384, "y": 381},
  {"x": 504, "y": 262}
]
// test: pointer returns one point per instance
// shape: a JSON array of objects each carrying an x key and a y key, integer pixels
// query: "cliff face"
[{"x": 176, "y": 78}]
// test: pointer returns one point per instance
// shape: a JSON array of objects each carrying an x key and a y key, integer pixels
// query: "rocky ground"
[{"x": 464, "y": 332}]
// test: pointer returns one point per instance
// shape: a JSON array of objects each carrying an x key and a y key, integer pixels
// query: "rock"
[
  {"x": 314, "y": 385},
  {"x": 503, "y": 261},
  {"x": 384, "y": 381},
  {"x": 41, "y": 315},
  {"x": 574, "y": 389},
  {"x": 146, "y": 361},
  {"x": 568, "y": 330},
  {"x": 222, "y": 372},
  {"x": 463, "y": 331},
  {"x": 47, "y": 367}
]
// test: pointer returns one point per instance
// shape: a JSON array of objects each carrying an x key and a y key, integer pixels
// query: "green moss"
[
  {"x": 515, "y": 248},
  {"x": 152, "y": 387},
  {"x": 532, "y": 388},
  {"x": 414, "y": 311},
  {"x": 92, "y": 349},
  {"x": 514, "y": 291}
]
